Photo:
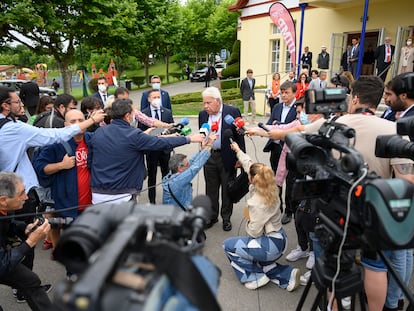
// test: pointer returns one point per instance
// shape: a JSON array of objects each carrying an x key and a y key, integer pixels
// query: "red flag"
[{"x": 281, "y": 17}]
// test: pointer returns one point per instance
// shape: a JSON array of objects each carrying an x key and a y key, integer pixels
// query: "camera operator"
[
  {"x": 366, "y": 93},
  {"x": 12, "y": 272},
  {"x": 400, "y": 98}
]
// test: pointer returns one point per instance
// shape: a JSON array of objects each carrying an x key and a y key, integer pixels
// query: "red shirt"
[
  {"x": 300, "y": 90},
  {"x": 84, "y": 176}
]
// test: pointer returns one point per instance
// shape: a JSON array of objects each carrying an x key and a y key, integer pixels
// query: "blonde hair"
[{"x": 263, "y": 179}]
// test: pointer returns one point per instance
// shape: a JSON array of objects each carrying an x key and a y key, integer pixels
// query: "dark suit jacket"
[
  {"x": 29, "y": 94},
  {"x": 275, "y": 118},
  {"x": 97, "y": 95},
  {"x": 165, "y": 100},
  {"x": 245, "y": 90},
  {"x": 166, "y": 116},
  {"x": 380, "y": 55},
  {"x": 307, "y": 60},
  {"x": 228, "y": 155},
  {"x": 356, "y": 53}
]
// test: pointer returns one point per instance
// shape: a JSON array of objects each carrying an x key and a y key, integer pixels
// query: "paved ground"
[{"x": 231, "y": 295}]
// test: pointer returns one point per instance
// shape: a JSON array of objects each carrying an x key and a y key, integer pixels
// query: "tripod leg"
[{"x": 304, "y": 295}]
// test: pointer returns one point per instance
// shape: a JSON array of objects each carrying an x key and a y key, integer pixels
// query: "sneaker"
[
  {"x": 311, "y": 260},
  {"x": 304, "y": 279},
  {"x": 257, "y": 283},
  {"x": 14, "y": 291},
  {"x": 293, "y": 280},
  {"x": 20, "y": 297},
  {"x": 296, "y": 254},
  {"x": 47, "y": 245},
  {"x": 346, "y": 303}
]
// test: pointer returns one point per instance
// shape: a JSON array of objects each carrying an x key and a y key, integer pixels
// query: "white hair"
[{"x": 213, "y": 92}]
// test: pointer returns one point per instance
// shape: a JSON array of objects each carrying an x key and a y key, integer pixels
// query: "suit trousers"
[
  {"x": 153, "y": 159},
  {"x": 28, "y": 283},
  {"x": 252, "y": 105},
  {"x": 217, "y": 177}
]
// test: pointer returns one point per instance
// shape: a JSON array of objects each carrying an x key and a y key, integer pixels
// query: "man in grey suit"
[
  {"x": 247, "y": 93},
  {"x": 354, "y": 56}
]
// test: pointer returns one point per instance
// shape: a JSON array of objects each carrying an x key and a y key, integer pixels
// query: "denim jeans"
[
  {"x": 402, "y": 262},
  {"x": 252, "y": 258}
]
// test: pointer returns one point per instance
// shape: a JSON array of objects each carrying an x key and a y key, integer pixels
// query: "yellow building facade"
[{"x": 330, "y": 23}]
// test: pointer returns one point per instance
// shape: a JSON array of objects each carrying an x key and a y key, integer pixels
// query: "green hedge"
[
  {"x": 93, "y": 85},
  {"x": 231, "y": 71}
]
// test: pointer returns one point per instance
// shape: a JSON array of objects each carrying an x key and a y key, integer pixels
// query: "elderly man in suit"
[
  {"x": 221, "y": 166},
  {"x": 383, "y": 55},
  {"x": 160, "y": 157},
  {"x": 165, "y": 97}
]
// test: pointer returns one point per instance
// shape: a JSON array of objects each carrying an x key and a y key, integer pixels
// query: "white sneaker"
[
  {"x": 257, "y": 283},
  {"x": 293, "y": 280},
  {"x": 296, "y": 254},
  {"x": 304, "y": 279},
  {"x": 346, "y": 303},
  {"x": 311, "y": 260}
]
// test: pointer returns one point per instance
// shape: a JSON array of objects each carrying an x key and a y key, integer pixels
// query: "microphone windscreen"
[
  {"x": 228, "y": 119},
  {"x": 206, "y": 126},
  {"x": 184, "y": 121},
  {"x": 228, "y": 133},
  {"x": 204, "y": 202}
]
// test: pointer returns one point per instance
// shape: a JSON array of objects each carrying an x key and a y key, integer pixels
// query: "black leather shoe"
[
  {"x": 211, "y": 223},
  {"x": 227, "y": 225},
  {"x": 286, "y": 219}
]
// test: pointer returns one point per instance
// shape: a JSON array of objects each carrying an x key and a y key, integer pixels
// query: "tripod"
[{"x": 348, "y": 284}]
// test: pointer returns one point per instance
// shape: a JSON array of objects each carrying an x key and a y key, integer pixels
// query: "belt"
[{"x": 216, "y": 150}]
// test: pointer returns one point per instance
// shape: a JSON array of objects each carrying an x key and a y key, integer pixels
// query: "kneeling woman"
[{"x": 253, "y": 258}]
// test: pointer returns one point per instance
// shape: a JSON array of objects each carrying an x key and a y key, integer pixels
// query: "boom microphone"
[{"x": 202, "y": 213}]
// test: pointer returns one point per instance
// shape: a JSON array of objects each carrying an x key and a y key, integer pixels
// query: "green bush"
[
  {"x": 235, "y": 53},
  {"x": 228, "y": 84},
  {"x": 138, "y": 80},
  {"x": 231, "y": 71},
  {"x": 93, "y": 85}
]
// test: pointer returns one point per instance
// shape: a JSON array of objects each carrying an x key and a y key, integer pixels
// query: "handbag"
[{"x": 238, "y": 187}]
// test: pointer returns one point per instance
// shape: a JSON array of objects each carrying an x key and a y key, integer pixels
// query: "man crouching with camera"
[{"x": 12, "y": 272}]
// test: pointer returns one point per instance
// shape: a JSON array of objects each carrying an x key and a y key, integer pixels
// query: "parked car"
[
  {"x": 220, "y": 66},
  {"x": 200, "y": 74},
  {"x": 16, "y": 84}
]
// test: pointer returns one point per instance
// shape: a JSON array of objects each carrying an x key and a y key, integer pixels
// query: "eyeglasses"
[{"x": 18, "y": 101}]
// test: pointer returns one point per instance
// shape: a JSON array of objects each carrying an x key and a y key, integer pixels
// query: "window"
[
  {"x": 275, "y": 29},
  {"x": 288, "y": 63},
  {"x": 274, "y": 66}
]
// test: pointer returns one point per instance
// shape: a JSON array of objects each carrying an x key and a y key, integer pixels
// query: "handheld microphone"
[
  {"x": 205, "y": 129},
  {"x": 176, "y": 128},
  {"x": 214, "y": 127},
  {"x": 238, "y": 123},
  {"x": 185, "y": 131},
  {"x": 262, "y": 126},
  {"x": 229, "y": 134}
]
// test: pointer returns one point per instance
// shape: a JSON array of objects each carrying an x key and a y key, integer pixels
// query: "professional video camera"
[
  {"x": 373, "y": 214},
  {"x": 137, "y": 257}
]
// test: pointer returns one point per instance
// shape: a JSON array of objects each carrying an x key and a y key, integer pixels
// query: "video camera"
[
  {"x": 134, "y": 257},
  {"x": 381, "y": 210}
]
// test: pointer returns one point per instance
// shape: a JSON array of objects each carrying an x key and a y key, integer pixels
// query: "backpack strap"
[
  {"x": 175, "y": 198},
  {"x": 3, "y": 121}
]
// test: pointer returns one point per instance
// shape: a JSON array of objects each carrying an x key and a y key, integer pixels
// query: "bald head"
[{"x": 74, "y": 116}]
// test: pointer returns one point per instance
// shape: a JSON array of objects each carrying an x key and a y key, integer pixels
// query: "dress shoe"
[
  {"x": 227, "y": 225},
  {"x": 211, "y": 223},
  {"x": 286, "y": 219}
]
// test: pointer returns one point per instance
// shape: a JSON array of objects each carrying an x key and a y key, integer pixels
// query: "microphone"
[
  {"x": 229, "y": 135},
  {"x": 238, "y": 123},
  {"x": 205, "y": 129},
  {"x": 214, "y": 127},
  {"x": 200, "y": 214},
  {"x": 176, "y": 128},
  {"x": 262, "y": 126},
  {"x": 185, "y": 131}
]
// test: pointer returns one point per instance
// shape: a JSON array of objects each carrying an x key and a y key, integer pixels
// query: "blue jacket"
[
  {"x": 64, "y": 188},
  {"x": 180, "y": 183},
  {"x": 116, "y": 156}
]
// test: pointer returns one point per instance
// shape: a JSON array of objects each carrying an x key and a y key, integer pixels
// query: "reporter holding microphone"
[{"x": 266, "y": 236}]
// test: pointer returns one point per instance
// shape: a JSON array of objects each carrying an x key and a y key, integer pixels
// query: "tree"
[{"x": 50, "y": 28}]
